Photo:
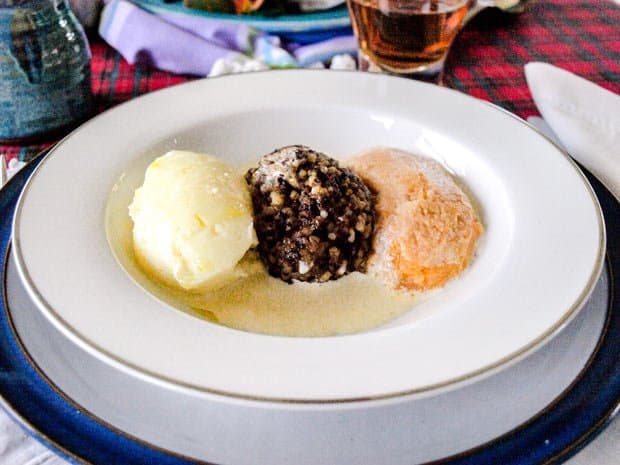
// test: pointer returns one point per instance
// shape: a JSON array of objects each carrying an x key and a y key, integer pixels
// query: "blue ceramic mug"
[{"x": 44, "y": 69}]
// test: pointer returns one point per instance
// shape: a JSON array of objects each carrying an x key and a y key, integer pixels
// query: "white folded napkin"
[{"x": 584, "y": 117}]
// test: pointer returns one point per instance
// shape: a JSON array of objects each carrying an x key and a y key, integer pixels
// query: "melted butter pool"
[
  {"x": 262, "y": 304},
  {"x": 258, "y": 302}
]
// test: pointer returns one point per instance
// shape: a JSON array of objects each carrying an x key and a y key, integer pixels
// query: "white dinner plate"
[{"x": 536, "y": 263}]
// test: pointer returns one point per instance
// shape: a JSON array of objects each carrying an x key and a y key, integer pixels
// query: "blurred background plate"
[{"x": 302, "y": 28}]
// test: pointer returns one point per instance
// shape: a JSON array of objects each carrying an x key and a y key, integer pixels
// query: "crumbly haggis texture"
[{"x": 314, "y": 220}]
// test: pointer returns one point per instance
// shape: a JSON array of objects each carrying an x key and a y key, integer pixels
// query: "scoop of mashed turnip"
[{"x": 192, "y": 221}]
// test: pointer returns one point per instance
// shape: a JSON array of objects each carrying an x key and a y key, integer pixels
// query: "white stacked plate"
[{"x": 465, "y": 365}]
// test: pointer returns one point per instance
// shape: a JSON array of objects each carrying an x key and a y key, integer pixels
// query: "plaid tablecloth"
[{"x": 486, "y": 60}]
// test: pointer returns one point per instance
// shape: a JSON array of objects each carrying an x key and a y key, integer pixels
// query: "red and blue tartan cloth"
[{"x": 486, "y": 60}]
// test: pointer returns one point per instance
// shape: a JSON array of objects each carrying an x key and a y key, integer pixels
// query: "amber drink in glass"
[{"x": 407, "y": 37}]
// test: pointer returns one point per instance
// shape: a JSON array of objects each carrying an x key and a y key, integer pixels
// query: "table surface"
[{"x": 486, "y": 61}]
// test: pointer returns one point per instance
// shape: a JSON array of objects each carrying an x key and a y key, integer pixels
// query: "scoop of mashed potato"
[{"x": 192, "y": 221}]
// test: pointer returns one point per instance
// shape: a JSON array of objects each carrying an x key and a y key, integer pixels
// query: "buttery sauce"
[
  {"x": 263, "y": 304},
  {"x": 256, "y": 302}
]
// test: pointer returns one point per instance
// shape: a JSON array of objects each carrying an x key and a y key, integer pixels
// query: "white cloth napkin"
[
  {"x": 17, "y": 448},
  {"x": 584, "y": 117}
]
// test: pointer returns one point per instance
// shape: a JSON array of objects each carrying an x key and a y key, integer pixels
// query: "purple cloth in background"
[
  {"x": 142, "y": 37},
  {"x": 186, "y": 44}
]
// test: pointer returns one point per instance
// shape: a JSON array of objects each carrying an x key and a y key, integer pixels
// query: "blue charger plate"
[
  {"x": 567, "y": 425},
  {"x": 303, "y": 28}
]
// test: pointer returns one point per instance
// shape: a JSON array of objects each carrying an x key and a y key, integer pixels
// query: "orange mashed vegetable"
[{"x": 427, "y": 228}]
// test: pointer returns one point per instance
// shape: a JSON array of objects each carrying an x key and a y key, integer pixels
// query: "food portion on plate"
[
  {"x": 301, "y": 244},
  {"x": 192, "y": 221},
  {"x": 272, "y": 7},
  {"x": 314, "y": 219},
  {"x": 225, "y": 6},
  {"x": 427, "y": 228}
]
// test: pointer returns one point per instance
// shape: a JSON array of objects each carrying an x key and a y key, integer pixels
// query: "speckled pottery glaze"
[{"x": 44, "y": 69}]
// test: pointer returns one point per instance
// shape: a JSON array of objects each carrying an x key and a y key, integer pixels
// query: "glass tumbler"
[{"x": 406, "y": 37}]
